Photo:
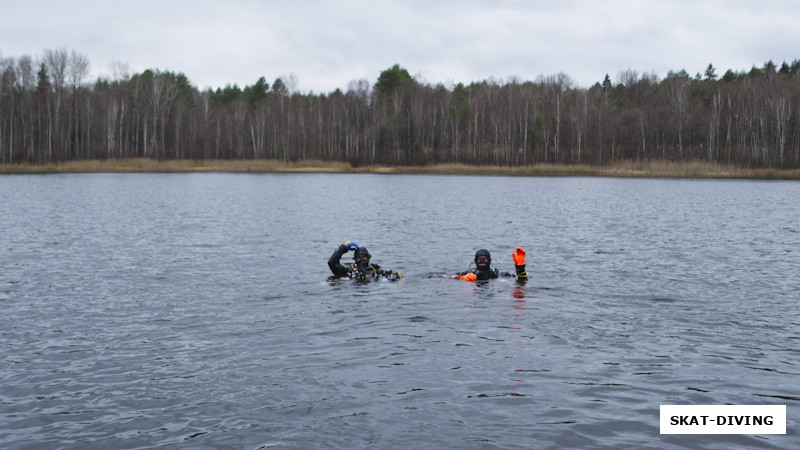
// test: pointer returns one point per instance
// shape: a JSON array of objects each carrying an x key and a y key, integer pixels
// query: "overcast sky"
[{"x": 328, "y": 44}]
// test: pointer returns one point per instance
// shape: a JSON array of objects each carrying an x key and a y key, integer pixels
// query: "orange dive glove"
[
  {"x": 519, "y": 257},
  {"x": 469, "y": 277}
]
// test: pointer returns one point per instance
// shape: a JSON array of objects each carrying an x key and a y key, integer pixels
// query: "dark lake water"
[{"x": 193, "y": 311}]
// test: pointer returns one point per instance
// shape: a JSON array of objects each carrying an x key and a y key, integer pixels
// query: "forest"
[{"x": 50, "y": 113}]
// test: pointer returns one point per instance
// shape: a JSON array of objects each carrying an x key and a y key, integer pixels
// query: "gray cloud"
[{"x": 327, "y": 44}]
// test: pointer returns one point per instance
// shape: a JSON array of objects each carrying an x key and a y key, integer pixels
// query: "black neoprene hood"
[{"x": 483, "y": 252}]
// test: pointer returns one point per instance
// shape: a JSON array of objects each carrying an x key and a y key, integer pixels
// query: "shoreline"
[{"x": 622, "y": 169}]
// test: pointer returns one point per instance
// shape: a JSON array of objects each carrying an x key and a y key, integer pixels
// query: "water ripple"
[{"x": 192, "y": 311}]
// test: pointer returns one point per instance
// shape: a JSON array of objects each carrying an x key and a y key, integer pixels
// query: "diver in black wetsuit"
[
  {"x": 362, "y": 270},
  {"x": 483, "y": 270}
]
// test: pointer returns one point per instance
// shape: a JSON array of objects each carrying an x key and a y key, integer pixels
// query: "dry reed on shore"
[{"x": 653, "y": 168}]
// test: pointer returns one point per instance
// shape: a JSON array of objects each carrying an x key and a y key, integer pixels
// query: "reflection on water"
[{"x": 194, "y": 311}]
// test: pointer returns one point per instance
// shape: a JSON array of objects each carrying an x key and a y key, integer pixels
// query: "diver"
[
  {"x": 483, "y": 270},
  {"x": 362, "y": 270}
]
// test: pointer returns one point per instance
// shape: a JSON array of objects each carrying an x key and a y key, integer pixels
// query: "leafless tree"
[{"x": 679, "y": 85}]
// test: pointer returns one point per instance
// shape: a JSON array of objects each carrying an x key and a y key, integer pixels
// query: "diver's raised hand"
[
  {"x": 346, "y": 247},
  {"x": 519, "y": 256}
]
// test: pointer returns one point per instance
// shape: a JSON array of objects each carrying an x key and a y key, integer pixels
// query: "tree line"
[{"x": 49, "y": 112}]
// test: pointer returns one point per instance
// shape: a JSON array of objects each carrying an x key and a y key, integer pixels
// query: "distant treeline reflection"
[{"x": 49, "y": 113}]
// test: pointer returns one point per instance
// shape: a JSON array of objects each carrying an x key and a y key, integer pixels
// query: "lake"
[{"x": 194, "y": 311}]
